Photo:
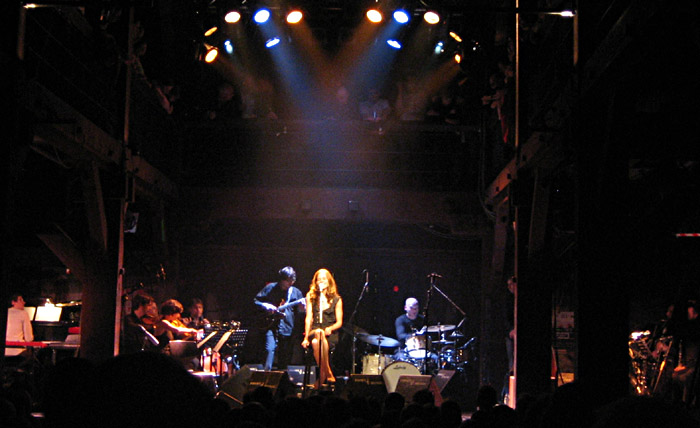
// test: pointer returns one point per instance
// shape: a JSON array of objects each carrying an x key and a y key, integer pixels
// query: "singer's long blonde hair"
[{"x": 331, "y": 290}]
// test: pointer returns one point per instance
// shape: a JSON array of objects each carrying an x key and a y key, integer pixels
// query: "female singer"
[{"x": 324, "y": 316}]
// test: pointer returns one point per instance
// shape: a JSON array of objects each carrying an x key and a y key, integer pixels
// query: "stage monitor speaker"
[
  {"x": 296, "y": 374},
  {"x": 233, "y": 389},
  {"x": 250, "y": 377},
  {"x": 363, "y": 385},
  {"x": 453, "y": 385},
  {"x": 408, "y": 385},
  {"x": 443, "y": 378},
  {"x": 277, "y": 382}
]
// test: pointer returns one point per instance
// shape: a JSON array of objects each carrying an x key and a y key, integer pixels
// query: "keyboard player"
[{"x": 19, "y": 326}]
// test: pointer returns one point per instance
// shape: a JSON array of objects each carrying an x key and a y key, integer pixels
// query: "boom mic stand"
[
  {"x": 464, "y": 315},
  {"x": 433, "y": 286},
  {"x": 428, "y": 342},
  {"x": 352, "y": 320}
]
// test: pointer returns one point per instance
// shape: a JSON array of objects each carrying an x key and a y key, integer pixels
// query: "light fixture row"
[{"x": 294, "y": 16}]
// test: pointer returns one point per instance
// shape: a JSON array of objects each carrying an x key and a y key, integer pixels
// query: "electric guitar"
[{"x": 278, "y": 313}]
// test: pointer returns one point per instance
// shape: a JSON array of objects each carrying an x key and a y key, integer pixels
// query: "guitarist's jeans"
[{"x": 276, "y": 343}]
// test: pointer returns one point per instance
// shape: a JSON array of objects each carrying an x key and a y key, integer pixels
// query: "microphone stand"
[
  {"x": 351, "y": 320},
  {"x": 434, "y": 286},
  {"x": 428, "y": 342},
  {"x": 451, "y": 302}
]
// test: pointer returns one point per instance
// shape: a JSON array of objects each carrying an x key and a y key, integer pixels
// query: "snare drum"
[
  {"x": 393, "y": 371},
  {"x": 375, "y": 363},
  {"x": 415, "y": 346}
]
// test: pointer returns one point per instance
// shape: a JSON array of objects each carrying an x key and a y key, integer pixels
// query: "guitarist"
[{"x": 281, "y": 302}]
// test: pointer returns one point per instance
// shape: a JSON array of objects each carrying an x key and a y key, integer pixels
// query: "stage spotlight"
[
  {"x": 401, "y": 16},
  {"x": 232, "y": 17},
  {"x": 294, "y": 16},
  {"x": 394, "y": 43},
  {"x": 439, "y": 48},
  {"x": 210, "y": 25},
  {"x": 211, "y": 54},
  {"x": 228, "y": 46},
  {"x": 431, "y": 17},
  {"x": 458, "y": 58},
  {"x": 261, "y": 16},
  {"x": 374, "y": 16},
  {"x": 272, "y": 42},
  {"x": 456, "y": 37}
]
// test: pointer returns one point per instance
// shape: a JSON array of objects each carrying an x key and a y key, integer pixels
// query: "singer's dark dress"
[{"x": 328, "y": 319}]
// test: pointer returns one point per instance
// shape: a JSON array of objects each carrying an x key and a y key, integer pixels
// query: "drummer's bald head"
[{"x": 410, "y": 302}]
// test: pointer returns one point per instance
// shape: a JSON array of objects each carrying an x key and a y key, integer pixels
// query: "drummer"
[{"x": 410, "y": 323}]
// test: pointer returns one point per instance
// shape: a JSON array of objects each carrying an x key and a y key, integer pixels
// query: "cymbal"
[
  {"x": 354, "y": 330},
  {"x": 456, "y": 334},
  {"x": 440, "y": 328},
  {"x": 379, "y": 340},
  {"x": 444, "y": 342}
]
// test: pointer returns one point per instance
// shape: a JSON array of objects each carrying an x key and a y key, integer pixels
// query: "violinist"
[
  {"x": 171, "y": 323},
  {"x": 139, "y": 327}
]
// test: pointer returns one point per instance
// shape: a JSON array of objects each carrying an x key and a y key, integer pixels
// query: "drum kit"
[
  {"x": 433, "y": 348},
  {"x": 426, "y": 352}
]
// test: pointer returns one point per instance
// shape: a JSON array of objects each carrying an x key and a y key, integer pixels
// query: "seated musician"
[
  {"x": 19, "y": 326},
  {"x": 139, "y": 327},
  {"x": 172, "y": 324},
  {"x": 408, "y": 324},
  {"x": 172, "y": 327},
  {"x": 195, "y": 318}
]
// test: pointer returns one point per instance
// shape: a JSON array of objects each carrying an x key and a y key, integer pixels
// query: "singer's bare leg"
[{"x": 325, "y": 375}]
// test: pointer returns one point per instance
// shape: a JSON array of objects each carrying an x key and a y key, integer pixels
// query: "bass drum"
[{"x": 393, "y": 371}]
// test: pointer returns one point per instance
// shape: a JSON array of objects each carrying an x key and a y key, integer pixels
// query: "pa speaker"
[
  {"x": 454, "y": 385},
  {"x": 277, "y": 382},
  {"x": 233, "y": 389},
  {"x": 408, "y": 385},
  {"x": 362, "y": 385},
  {"x": 296, "y": 374},
  {"x": 248, "y": 378}
]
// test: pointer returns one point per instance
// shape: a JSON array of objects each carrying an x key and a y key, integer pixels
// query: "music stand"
[{"x": 232, "y": 339}]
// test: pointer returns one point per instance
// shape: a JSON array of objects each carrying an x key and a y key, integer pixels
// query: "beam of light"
[
  {"x": 374, "y": 16},
  {"x": 293, "y": 72},
  {"x": 294, "y": 17},
  {"x": 401, "y": 16},
  {"x": 261, "y": 16},
  {"x": 272, "y": 42},
  {"x": 373, "y": 67},
  {"x": 232, "y": 17},
  {"x": 431, "y": 17},
  {"x": 394, "y": 43}
]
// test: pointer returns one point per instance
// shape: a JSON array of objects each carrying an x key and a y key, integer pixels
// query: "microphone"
[{"x": 366, "y": 273}]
